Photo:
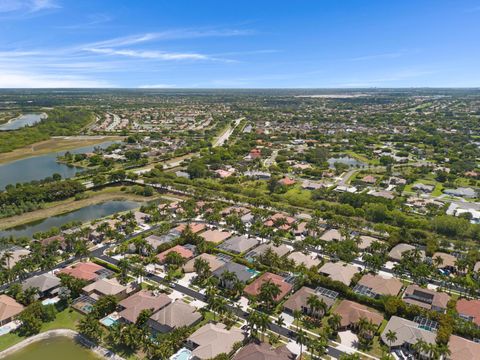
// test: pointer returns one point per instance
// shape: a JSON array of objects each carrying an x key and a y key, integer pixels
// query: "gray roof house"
[
  {"x": 45, "y": 283},
  {"x": 214, "y": 339},
  {"x": 242, "y": 272},
  {"x": 239, "y": 244},
  {"x": 407, "y": 333},
  {"x": 461, "y": 192}
]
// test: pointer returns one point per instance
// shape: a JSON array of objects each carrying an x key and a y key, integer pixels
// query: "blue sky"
[{"x": 239, "y": 44}]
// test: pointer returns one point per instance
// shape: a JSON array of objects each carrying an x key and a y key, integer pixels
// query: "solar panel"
[
  {"x": 224, "y": 257},
  {"x": 364, "y": 290},
  {"x": 426, "y": 323},
  {"x": 326, "y": 292}
]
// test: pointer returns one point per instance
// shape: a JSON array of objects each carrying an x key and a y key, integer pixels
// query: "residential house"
[
  {"x": 242, "y": 273},
  {"x": 253, "y": 289},
  {"x": 332, "y": 235},
  {"x": 407, "y": 333},
  {"x": 214, "y": 339},
  {"x": 461, "y": 192},
  {"x": 46, "y": 284},
  {"x": 104, "y": 287},
  {"x": 447, "y": 261},
  {"x": 469, "y": 310},
  {"x": 396, "y": 253},
  {"x": 9, "y": 309},
  {"x": 426, "y": 298},
  {"x": 87, "y": 271},
  {"x": 183, "y": 251},
  {"x": 215, "y": 236},
  {"x": 194, "y": 227},
  {"x": 339, "y": 271},
  {"x": 376, "y": 285},
  {"x": 174, "y": 315},
  {"x": 132, "y": 306},
  {"x": 351, "y": 313},
  {"x": 366, "y": 241},
  {"x": 280, "y": 250},
  {"x": 239, "y": 244},
  {"x": 299, "y": 301},
  {"x": 15, "y": 254},
  {"x": 307, "y": 260},
  {"x": 264, "y": 351},
  {"x": 213, "y": 261},
  {"x": 461, "y": 349}
]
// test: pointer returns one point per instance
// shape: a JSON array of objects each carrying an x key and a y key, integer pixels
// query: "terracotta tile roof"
[
  {"x": 264, "y": 351},
  {"x": 426, "y": 298},
  {"x": 9, "y": 308},
  {"x": 254, "y": 288},
  {"x": 299, "y": 299},
  {"x": 339, "y": 271},
  {"x": 469, "y": 308},
  {"x": 181, "y": 250},
  {"x": 83, "y": 270},
  {"x": 195, "y": 227},
  {"x": 212, "y": 260},
  {"x": 462, "y": 349},
  {"x": 214, "y": 339}
]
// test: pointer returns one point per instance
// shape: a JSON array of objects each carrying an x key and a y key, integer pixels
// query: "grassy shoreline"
[
  {"x": 65, "y": 206},
  {"x": 54, "y": 144}
]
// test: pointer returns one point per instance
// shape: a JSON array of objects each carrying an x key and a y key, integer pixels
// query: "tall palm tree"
[
  {"x": 391, "y": 337},
  {"x": 335, "y": 321},
  {"x": 301, "y": 339}
]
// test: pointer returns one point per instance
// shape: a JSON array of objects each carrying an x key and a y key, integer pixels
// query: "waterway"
[
  {"x": 22, "y": 121},
  {"x": 84, "y": 214},
  {"x": 40, "y": 167},
  {"x": 346, "y": 160},
  {"x": 52, "y": 349}
]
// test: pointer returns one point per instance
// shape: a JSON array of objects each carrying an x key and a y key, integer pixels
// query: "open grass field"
[
  {"x": 53, "y": 145},
  {"x": 66, "y": 319},
  {"x": 60, "y": 207}
]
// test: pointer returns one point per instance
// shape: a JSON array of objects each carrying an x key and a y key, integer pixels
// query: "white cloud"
[
  {"x": 158, "y": 55},
  {"x": 32, "y": 6},
  {"x": 392, "y": 55},
  {"x": 20, "y": 79}
]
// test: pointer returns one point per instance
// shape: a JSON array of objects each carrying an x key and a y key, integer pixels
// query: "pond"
[
  {"x": 346, "y": 160},
  {"x": 22, "y": 120},
  {"x": 40, "y": 167},
  {"x": 84, "y": 214},
  {"x": 54, "y": 348}
]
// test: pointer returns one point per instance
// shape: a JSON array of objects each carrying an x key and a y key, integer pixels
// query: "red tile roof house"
[
  {"x": 181, "y": 250},
  {"x": 194, "y": 227},
  {"x": 253, "y": 289},
  {"x": 274, "y": 218},
  {"x": 287, "y": 181},
  {"x": 369, "y": 179},
  {"x": 84, "y": 270},
  {"x": 469, "y": 310},
  {"x": 142, "y": 300}
]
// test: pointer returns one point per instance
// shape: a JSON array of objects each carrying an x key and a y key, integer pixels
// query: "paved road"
[{"x": 226, "y": 135}]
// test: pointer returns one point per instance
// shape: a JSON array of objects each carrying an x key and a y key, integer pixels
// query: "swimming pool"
[
  {"x": 50, "y": 301},
  {"x": 182, "y": 354},
  {"x": 253, "y": 272},
  {"x": 87, "y": 308},
  {"x": 5, "y": 329},
  {"x": 108, "y": 321}
]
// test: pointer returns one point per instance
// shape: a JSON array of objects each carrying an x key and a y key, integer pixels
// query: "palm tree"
[
  {"x": 391, "y": 337},
  {"x": 301, "y": 339},
  {"x": 280, "y": 321},
  {"x": 269, "y": 291},
  {"x": 297, "y": 314},
  {"x": 263, "y": 324},
  {"x": 335, "y": 321}
]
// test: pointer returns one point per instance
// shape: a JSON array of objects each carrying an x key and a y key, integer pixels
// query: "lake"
[
  {"x": 84, "y": 214},
  {"x": 54, "y": 348},
  {"x": 347, "y": 160},
  {"x": 40, "y": 167},
  {"x": 22, "y": 120}
]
